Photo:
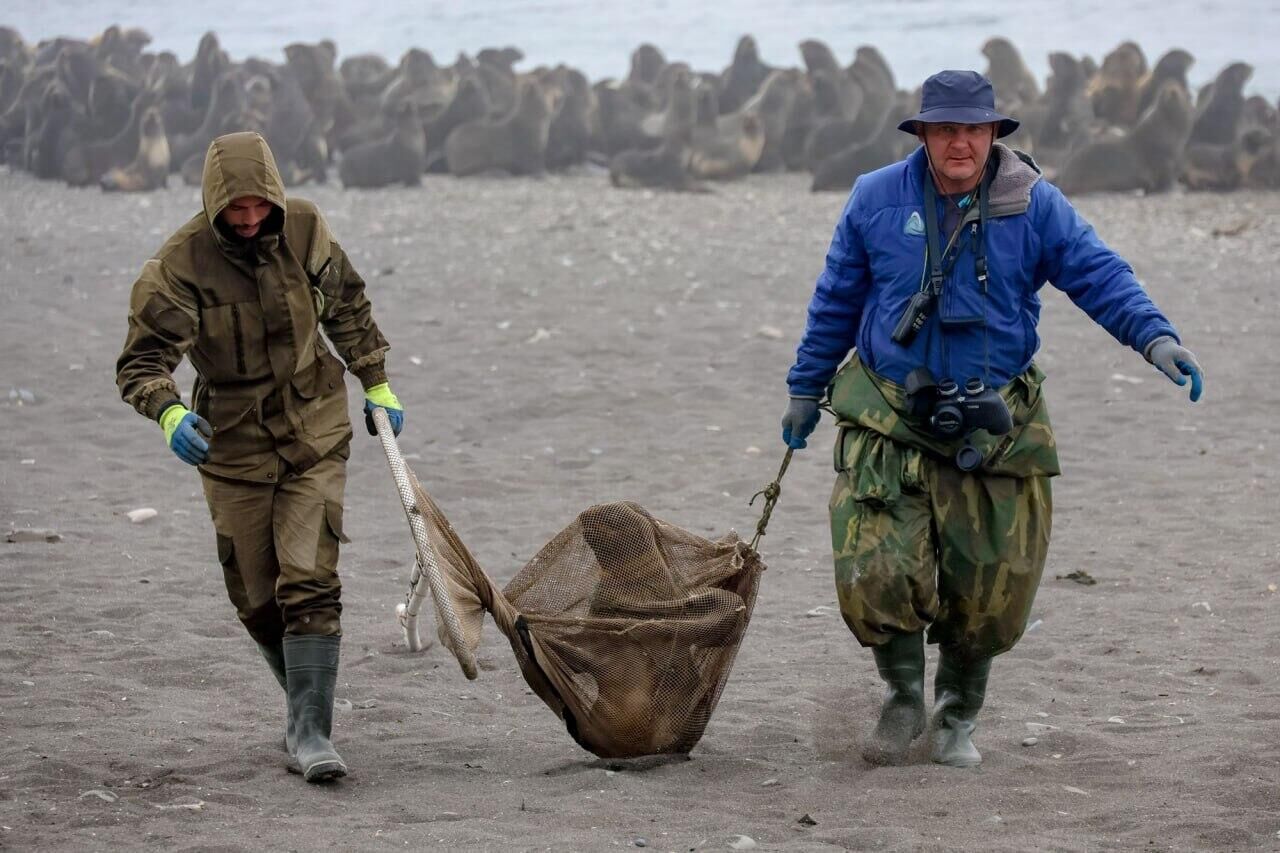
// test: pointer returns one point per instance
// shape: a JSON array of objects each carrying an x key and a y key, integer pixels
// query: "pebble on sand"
[
  {"x": 1030, "y": 741},
  {"x": 33, "y": 534},
  {"x": 141, "y": 514},
  {"x": 742, "y": 842}
]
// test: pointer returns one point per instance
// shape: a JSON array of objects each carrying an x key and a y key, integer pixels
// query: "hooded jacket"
[
  {"x": 248, "y": 313},
  {"x": 876, "y": 263}
]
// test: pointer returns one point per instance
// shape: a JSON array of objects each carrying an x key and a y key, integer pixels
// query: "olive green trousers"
[{"x": 278, "y": 546}]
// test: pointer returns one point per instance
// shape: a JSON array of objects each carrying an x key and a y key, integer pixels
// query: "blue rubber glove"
[
  {"x": 1177, "y": 362},
  {"x": 380, "y": 397},
  {"x": 186, "y": 433},
  {"x": 799, "y": 422}
]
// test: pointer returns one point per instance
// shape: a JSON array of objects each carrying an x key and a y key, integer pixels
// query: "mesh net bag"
[{"x": 624, "y": 625}]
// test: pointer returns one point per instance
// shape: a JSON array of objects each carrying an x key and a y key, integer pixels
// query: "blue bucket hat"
[{"x": 961, "y": 97}]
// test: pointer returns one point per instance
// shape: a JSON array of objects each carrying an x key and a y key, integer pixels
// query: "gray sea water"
[{"x": 597, "y": 36}]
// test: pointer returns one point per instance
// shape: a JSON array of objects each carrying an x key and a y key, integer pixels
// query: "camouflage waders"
[{"x": 919, "y": 545}]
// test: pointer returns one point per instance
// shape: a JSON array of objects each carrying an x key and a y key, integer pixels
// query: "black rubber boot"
[
  {"x": 311, "y": 667},
  {"x": 958, "y": 692},
  {"x": 274, "y": 655},
  {"x": 901, "y": 664}
]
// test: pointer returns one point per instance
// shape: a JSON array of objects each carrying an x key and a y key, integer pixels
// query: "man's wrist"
[
  {"x": 380, "y": 395},
  {"x": 1150, "y": 347},
  {"x": 170, "y": 417}
]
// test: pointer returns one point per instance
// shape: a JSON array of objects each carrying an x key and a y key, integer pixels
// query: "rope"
[{"x": 771, "y": 493}]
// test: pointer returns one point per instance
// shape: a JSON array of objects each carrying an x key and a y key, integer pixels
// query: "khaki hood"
[{"x": 238, "y": 165}]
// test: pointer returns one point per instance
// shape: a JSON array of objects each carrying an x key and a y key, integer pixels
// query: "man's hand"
[
  {"x": 380, "y": 397},
  {"x": 799, "y": 421},
  {"x": 1177, "y": 362},
  {"x": 186, "y": 433}
]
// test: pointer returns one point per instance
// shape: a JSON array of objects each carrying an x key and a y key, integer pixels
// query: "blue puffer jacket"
[{"x": 1033, "y": 235}]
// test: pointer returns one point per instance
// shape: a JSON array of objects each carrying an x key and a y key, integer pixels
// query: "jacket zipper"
[{"x": 239, "y": 335}]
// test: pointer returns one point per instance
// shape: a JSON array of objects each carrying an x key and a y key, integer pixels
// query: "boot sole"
[
  {"x": 325, "y": 771},
  {"x": 958, "y": 764}
]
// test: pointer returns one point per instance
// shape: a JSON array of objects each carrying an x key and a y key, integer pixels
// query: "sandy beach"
[{"x": 557, "y": 344}]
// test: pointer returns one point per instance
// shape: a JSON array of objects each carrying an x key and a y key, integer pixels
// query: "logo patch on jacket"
[{"x": 914, "y": 226}]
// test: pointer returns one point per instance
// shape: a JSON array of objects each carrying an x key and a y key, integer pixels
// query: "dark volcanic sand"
[{"x": 1155, "y": 695}]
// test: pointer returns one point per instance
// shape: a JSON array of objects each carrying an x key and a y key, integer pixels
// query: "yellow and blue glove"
[
  {"x": 380, "y": 397},
  {"x": 186, "y": 433}
]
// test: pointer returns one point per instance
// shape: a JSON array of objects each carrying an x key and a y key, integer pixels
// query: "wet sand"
[{"x": 558, "y": 343}]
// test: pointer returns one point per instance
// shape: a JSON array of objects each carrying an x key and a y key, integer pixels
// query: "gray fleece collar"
[{"x": 1016, "y": 174}]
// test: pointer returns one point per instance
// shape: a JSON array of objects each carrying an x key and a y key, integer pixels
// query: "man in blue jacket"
[{"x": 941, "y": 511}]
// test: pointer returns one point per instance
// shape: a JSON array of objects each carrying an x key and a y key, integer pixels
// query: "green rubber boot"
[
  {"x": 901, "y": 664},
  {"x": 274, "y": 655},
  {"x": 311, "y": 668},
  {"x": 958, "y": 692}
]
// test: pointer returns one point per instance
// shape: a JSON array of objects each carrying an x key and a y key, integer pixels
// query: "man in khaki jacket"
[{"x": 242, "y": 290}]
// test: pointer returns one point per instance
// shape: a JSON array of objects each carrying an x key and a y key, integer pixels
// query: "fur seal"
[
  {"x": 1217, "y": 122},
  {"x": 12, "y": 48},
  {"x": 150, "y": 168},
  {"x": 400, "y": 158},
  {"x": 1173, "y": 65},
  {"x": 835, "y": 94},
  {"x": 1263, "y": 172},
  {"x": 365, "y": 75},
  {"x": 773, "y": 104},
  {"x": 1146, "y": 158},
  {"x": 117, "y": 151},
  {"x": 515, "y": 144},
  {"x": 469, "y": 103},
  {"x": 1114, "y": 91},
  {"x": 1015, "y": 85},
  {"x": 665, "y": 167},
  {"x": 228, "y": 99},
  {"x": 646, "y": 64},
  {"x": 840, "y": 170},
  {"x": 211, "y": 62},
  {"x": 60, "y": 125},
  {"x": 11, "y": 80},
  {"x": 417, "y": 78},
  {"x": 312, "y": 67},
  {"x": 1206, "y": 166},
  {"x": 623, "y": 118},
  {"x": 569, "y": 137},
  {"x": 801, "y": 117},
  {"x": 730, "y": 151},
  {"x": 743, "y": 78}
]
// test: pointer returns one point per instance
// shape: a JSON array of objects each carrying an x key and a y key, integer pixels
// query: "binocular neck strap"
[{"x": 933, "y": 234}]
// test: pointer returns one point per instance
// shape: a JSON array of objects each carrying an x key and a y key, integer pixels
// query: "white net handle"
[{"x": 427, "y": 567}]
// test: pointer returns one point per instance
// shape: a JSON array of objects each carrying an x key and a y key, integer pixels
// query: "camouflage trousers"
[
  {"x": 919, "y": 543},
  {"x": 278, "y": 546}
]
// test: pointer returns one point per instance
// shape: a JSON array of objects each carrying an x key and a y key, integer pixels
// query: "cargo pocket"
[
  {"x": 226, "y": 551},
  {"x": 333, "y": 536},
  {"x": 231, "y": 576},
  {"x": 877, "y": 469}
]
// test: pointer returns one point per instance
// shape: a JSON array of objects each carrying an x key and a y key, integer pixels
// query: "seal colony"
[{"x": 107, "y": 111}]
